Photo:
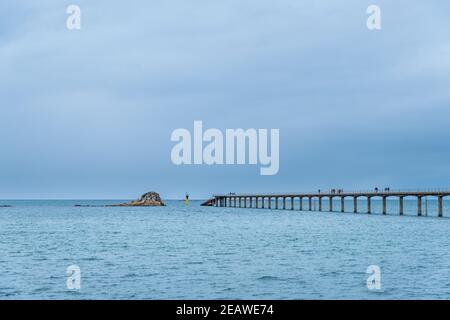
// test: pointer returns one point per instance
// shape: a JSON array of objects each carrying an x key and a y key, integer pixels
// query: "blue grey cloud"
[{"x": 88, "y": 114}]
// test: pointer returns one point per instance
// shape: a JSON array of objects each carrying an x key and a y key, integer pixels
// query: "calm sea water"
[{"x": 179, "y": 252}]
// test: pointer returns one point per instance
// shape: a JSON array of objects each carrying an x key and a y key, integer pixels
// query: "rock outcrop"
[
  {"x": 209, "y": 203},
  {"x": 149, "y": 199}
]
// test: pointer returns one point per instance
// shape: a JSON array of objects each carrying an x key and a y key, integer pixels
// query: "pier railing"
[{"x": 338, "y": 192}]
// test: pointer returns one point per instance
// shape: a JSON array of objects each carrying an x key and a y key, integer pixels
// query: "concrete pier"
[
  {"x": 400, "y": 205},
  {"x": 240, "y": 200},
  {"x": 419, "y": 205}
]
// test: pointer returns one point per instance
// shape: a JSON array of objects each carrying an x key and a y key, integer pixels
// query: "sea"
[{"x": 195, "y": 252}]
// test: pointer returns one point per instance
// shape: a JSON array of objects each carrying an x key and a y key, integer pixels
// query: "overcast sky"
[{"x": 89, "y": 113}]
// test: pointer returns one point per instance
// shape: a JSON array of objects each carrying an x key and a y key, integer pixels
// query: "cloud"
[{"x": 93, "y": 109}]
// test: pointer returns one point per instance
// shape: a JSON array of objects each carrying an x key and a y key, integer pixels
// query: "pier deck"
[{"x": 264, "y": 200}]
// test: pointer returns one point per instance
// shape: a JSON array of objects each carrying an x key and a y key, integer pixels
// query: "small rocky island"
[{"x": 149, "y": 199}]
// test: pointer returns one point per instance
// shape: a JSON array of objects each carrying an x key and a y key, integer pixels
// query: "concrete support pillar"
[
  {"x": 240, "y": 202},
  {"x": 355, "y": 204},
  {"x": 310, "y": 203},
  {"x": 320, "y": 203},
  {"x": 369, "y": 207},
  {"x": 262, "y": 202},
  {"x": 301, "y": 203},
  {"x": 331, "y": 204},
  {"x": 292, "y": 203},
  {"x": 440, "y": 208},
  {"x": 384, "y": 205},
  {"x": 400, "y": 205},
  {"x": 250, "y": 202},
  {"x": 342, "y": 204},
  {"x": 234, "y": 201},
  {"x": 269, "y": 204},
  {"x": 284, "y": 203},
  {"x": 419, "y": 205},
  {"x": 276, "y": 202},
  {"x": 256, "y": 202}
]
